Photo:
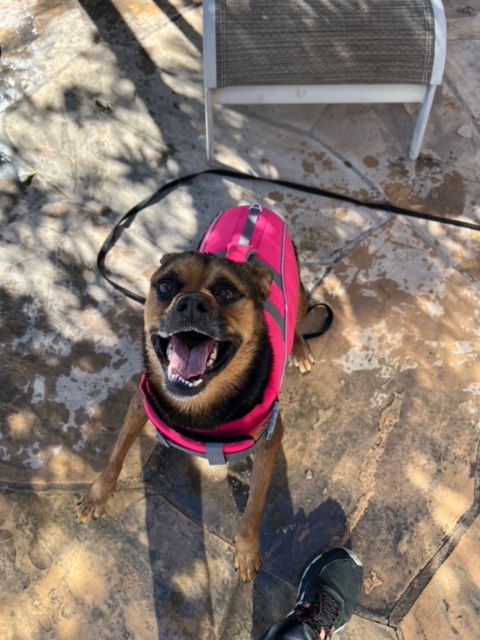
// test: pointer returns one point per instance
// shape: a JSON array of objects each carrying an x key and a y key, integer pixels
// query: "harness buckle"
[
  {"x": 272, "y": 420},
  {"x": 214, "y": 453}
]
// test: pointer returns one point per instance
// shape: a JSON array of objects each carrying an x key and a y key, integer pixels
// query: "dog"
[{"x": 219, "y": 324}]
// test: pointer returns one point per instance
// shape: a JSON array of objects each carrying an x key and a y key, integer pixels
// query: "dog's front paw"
[
  {"x": 301, "y": 355},
  {"x": 247, "y": 557},
  {"x": 92, "y": 505}
]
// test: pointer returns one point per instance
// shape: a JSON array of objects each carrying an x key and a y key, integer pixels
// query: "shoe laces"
[{"x": 320, "y": 614}]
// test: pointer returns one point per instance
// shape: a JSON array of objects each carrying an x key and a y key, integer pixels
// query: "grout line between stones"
[
  {"x": 220, "y": 630},
  {"x": 340, "y": 253},
  {"x": 334, "y": 258},
  {"x": 456, "y": 93},
  {"x": 427, "y": 238},
  {"x": 54, "y": 487},
  {"x": 371, "y": 616},
  {"x": 351, "y": 166},
  {"x": 418, "y": 584},
  {"x": 37, "y": 87},
  {"x": 188, "y": 516},
  {"x": 399, "y": 633},
  {"x": 315, "y": 124},
  {"x": 309, "y": 136},
  {"x": 467, "y": 39},
  {"x": 62, "y": 487},
  {"x": 74, "y": 487}
]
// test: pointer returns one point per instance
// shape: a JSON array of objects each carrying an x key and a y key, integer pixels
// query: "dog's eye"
[
  {"x": 166, "y": 288},
  {"x": 225, "y": 293}
]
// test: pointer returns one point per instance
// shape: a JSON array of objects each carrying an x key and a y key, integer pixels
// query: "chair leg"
[
  {"x": 209, "y": 137},
  {"x": 421, "y": 123}
]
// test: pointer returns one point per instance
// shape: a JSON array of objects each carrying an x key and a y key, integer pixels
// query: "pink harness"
[{"x": 257, "y": 235}]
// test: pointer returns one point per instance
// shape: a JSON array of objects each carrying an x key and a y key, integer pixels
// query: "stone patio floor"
[{"x": 102, "y": 101}]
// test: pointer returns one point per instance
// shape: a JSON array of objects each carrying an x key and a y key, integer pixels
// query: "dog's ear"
[
  {"x": 166, "y": 258},
  {"x": 262, "y": 277}
]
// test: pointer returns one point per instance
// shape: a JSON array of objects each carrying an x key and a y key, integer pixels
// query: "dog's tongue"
[{"x": 189, "y": 361}]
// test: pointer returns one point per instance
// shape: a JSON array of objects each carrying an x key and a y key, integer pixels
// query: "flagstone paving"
[{"x": 103, "y": 103}]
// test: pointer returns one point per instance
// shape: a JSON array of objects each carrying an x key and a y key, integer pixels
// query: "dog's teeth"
[
  {"x": 169, "y": 350},
  {"x": 213, "y": 356},
  {"x": 189, "y": 383}
]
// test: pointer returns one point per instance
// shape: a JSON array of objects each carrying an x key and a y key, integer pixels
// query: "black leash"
[{"x": 161, "y": 193}]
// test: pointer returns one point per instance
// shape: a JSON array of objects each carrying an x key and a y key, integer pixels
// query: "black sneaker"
[{"x": 328, "y": 592}]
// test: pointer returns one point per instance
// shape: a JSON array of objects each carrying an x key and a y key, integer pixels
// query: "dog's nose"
[{"x": 192, "y": 305}]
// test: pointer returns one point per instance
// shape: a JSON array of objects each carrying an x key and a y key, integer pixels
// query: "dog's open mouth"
[{"x": 190, "y": 359}]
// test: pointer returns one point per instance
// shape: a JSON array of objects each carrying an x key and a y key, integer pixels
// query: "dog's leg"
[
  {"x": 93, "y": 504},
  {"x": 301, "y": 354},
  {"x": 247, "y": 543}
]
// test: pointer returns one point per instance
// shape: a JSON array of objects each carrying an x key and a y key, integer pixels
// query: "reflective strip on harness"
[
  {"x": 276, "y": 315},
  {"x": 277, "y": 278},
  {"x": 253, "y": 212}
]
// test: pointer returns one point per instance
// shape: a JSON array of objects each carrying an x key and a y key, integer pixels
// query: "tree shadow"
[
  {"x": 176, "y": 16},
  {"x": 71, "y": 349}
]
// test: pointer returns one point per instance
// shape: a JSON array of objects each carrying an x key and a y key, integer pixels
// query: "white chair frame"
[{"x": 320, "y": 94}]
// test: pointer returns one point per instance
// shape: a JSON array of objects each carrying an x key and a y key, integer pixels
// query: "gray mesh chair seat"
[{"x": 323, "y": 51}]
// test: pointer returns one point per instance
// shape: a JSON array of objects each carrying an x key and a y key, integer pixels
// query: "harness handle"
[{"x": 127, "y": 219}]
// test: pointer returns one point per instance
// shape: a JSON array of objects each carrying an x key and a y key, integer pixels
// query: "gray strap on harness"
[
  {"x": 214, "y": 451},
  {"x": 268, "y": 433},
  {"x": 162, "y": 438},
  {"x": 253, "y": 212}
]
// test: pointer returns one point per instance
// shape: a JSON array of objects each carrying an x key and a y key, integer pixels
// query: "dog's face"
[{"x": 202, "y": 320}]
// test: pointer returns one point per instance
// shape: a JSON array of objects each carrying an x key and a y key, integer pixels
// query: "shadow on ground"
[{"x": 363, "y": 463}]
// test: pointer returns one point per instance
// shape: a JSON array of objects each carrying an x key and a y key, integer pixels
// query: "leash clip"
[{"x": 273, "y": 420}]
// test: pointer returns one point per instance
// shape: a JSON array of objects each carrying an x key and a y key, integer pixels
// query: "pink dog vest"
[{"x": 257, "y": 235}]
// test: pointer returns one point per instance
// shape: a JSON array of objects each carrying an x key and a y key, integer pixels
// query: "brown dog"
[{"x": 211, "y": 309}]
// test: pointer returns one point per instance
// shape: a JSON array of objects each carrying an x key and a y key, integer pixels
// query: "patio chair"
[{"x": 323, "y": 51}]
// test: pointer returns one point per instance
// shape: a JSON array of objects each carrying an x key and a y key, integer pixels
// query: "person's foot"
[{"x": 328, "y": 593}]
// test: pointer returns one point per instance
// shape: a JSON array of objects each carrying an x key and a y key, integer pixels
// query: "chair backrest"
[
  {"x": 267, "y": 42},
  {"x": 323, "y": 51}
]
